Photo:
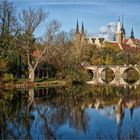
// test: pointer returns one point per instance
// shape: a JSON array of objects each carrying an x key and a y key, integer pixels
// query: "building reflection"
[
  {"x": 75, "y": 109},
  {"x": 122, "y": 105},
  {"x": 119, "y": 112}
]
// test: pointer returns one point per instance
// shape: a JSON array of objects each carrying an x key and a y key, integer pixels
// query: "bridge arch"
[
  {"x": 91, "y": 74},
  {"x": 131, "y": 75},
  {"x": 108, "y": 75},
  {"x": 118, "y": 71}
]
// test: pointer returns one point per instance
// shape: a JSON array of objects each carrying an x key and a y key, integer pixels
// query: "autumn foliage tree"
[{"x": 31, "y": 19}]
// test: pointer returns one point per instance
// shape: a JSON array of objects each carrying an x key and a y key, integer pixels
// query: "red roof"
[
  {"x": 120, "y": 46},
  {"x": 126, "y": 46},
  {"x": 125, "y": 41},
  {"x": 115, "y": 44},
  {"x": 36, "y": 53},
  {"x": 133, "y": 40}
]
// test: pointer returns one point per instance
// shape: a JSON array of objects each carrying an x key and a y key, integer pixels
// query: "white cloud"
[{"x": 108, "y": 31}]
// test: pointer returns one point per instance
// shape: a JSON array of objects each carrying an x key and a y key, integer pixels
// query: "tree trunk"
[
  {"x": 31, "y": 100},
  {"x": 32, "y": 75}
]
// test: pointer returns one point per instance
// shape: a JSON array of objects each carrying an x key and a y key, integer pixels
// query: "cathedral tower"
[
  {"x": 118, "y": 33},
  {"x": 123, "y": 30},
  {"x": 82, "y": 33},
  {"x": 77, "y": 27},
  {"x": 77, "y": 38},
  {"x": 82, "y": 30},
  {"x": 132, "y": 34}
]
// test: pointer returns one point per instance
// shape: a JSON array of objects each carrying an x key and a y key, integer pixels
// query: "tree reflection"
[
  {"x": 39, "y": 113},
  {"x": 11, "y": 103},
  {"x": 41, "y": 110},
  {"x": 79, "y": 120}
]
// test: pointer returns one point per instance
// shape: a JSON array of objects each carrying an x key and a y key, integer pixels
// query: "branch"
[
  {"x": 44, "y": 51},
  {"x": 28, "y": 57}
]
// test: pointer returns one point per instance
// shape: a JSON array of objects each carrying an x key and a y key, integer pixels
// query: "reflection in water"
[
  {"x": 119, "y": 112},
  {"x": 70, "y": 112}
]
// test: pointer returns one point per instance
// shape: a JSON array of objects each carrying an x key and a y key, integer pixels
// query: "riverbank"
[{"x": 29, "y": 84}]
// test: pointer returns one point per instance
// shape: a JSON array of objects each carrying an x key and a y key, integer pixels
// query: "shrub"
[
  {"x": 75, "y": 75},
  {"x": 8, "y": 77}
]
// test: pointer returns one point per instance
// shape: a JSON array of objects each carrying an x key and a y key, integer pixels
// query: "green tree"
[
  {"x": 109, "y": 55},
  {"x": 9, "y": 28}
]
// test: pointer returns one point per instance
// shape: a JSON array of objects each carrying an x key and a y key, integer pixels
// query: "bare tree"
[{"x": 31, "y": 19}]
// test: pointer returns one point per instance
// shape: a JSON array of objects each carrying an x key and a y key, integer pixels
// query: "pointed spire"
[
  {"x": 119, "y": 19},
  {"x": 119, "y": 26},
  {"x": 122, "y": 29},
  {"x": 122, "y": 22},
  {"x": 82, "y": 30},
  {"x": 132, "y": 34},
  {"x": 77, "y": 27}
]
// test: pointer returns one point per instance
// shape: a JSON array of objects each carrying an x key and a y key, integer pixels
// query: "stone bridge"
[{"x": 119, "y": 74}]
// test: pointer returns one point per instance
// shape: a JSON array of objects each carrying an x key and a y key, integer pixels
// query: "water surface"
[{"x": 78, "y": 112}]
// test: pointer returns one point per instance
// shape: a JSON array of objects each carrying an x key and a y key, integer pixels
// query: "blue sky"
[{"x": 94, "y": 13}]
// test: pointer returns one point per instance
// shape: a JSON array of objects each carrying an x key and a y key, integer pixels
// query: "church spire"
[
  {"x": 77, "y": 27},
  {"x": 122, "y": 29},
  {"x": 119, "y": 26},
  {"x": 122, "y": 22},
  {"x": 82, "y": 30},
  {"x": 132, "y": 34},
  {"x": 118, "y": 32}
]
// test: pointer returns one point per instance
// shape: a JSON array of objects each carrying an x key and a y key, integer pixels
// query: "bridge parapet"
[{"x": 118, "y": 72}]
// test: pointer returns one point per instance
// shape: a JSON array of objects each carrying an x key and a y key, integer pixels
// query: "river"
[{"x": 70, "y": 112}]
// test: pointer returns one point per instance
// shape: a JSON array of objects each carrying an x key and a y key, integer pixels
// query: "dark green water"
[{"x": 78, "y": 112}]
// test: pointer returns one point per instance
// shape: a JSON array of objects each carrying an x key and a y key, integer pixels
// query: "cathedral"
[
  {"x": 121, "y": 36},
  {"x": 123, "y": 42},
  {"x": 80, "y": 36},
  {"x": 119, "y": 41}
]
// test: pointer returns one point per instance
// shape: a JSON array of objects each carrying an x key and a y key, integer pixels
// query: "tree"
[
  {"x": 108, "y": 55},
  {"x": 31, "y": 19},
  {"x": 67, "y": 57},
  {"x": 9, "y": 28},
  {"x": 3, "y": 64},
  {"x": 57, "y": 53}
]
